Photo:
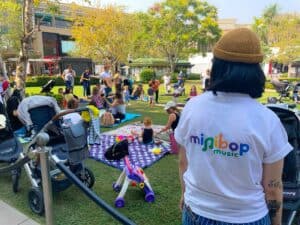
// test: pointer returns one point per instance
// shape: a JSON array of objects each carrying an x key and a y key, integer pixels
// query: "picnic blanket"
[
  {"x": 139, "y": 154},
  {"x": 128, "y": 117},
  {"x": 136, "y": 127}
]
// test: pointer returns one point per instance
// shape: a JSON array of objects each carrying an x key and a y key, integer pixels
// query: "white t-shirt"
[
  {"x": 227, "y": 139},
  {"x": 105, "y": 74},
  {"x": 69, "y": 75},
  {"x": 167, "y": 79},
  {"x": 72, "y": 118}
]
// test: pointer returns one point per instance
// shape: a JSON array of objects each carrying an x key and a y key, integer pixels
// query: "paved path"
[{"x": 11, "y": 216}]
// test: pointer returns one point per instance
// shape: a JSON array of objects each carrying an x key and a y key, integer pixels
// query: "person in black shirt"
[
  {"x": 174, "y": 115},
  {"x": 85, "y": 81},
  {"x": 147, "y": 133},
  {"x": 12, "y": 104}
]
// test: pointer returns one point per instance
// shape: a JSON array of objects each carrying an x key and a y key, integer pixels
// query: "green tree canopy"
[
  {"x": 174, "y": 29},
  {"x": 10, "y": 24},
  {"x": 279, "y": 31},
  {"x": 104, "y": 33}
]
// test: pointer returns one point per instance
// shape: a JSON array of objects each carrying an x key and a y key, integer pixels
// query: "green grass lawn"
[{"x": 73, "y": 207}]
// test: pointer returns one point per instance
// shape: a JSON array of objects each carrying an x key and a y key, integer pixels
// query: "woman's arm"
[
  {"x": 172, "y": 118},
  {"x": 182, "y": 168},
  {"x": 272, "y": 184}
]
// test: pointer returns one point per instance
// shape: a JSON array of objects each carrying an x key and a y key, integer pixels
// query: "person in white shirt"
[
  {"x": 69, "y": 77},
  {"x": 231, "y": 146},
  {"x": 167, "y": 83},
  {"x": 106, "y": 78}
]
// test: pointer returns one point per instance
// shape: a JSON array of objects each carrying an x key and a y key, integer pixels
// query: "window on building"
[
  {"x": 67, "y": 46},
  {"x": 51, "y": 44}
]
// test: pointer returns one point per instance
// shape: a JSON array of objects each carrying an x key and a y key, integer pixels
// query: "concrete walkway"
[{"x": 11, "y": 216}]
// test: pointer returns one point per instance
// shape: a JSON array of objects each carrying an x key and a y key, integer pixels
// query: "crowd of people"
[{"x": 231, "y": 148}]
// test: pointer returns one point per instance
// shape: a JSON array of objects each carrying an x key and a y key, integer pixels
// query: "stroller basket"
[{"x": 76, "y": 140}]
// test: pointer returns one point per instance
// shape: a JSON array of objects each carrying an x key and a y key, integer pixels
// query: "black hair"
[
  {"x": 237, "y": 77},
  {"x": 17, "y": 93}
]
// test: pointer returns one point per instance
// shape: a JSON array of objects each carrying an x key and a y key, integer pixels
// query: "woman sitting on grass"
[{"x": 117, "y": 107}]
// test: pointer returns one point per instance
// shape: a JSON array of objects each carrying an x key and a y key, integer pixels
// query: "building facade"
[{"x": 53, "y": 36}]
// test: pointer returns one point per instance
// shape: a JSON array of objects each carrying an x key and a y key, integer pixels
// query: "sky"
[{"x": 242, "y": 10}]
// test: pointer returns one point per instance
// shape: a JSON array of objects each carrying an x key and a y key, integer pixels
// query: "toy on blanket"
[
  {"x": 129, "y": 138},
  {"x": 156, "y": 150},
  {"x": 131, "y": 174}
]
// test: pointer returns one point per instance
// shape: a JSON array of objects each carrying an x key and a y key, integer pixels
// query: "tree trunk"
[
  {"x": 25, "y": 45},
  {"x": 3, "y": 68},
  {"x": 172, "y": 63}
]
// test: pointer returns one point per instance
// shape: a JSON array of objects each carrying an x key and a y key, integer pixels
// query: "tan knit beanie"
[{"x": 239, "y": 45}]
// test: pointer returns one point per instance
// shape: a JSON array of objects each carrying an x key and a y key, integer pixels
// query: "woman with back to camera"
[{"x": 231, "y": 146}]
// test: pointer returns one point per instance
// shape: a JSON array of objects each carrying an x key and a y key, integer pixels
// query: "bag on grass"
[
  {"x": 107, "y": 119},
  {"x": 117, "y": 151}
]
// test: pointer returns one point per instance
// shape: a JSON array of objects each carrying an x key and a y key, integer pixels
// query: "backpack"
[
  {"x": 117, "y": 151},
  {"x": 107, "y": 119}
]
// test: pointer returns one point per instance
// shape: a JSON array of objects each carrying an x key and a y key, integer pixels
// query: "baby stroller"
[
  {"x": 10, "y": 148},
  {"x": 48, "y": 86},
  {"x": 283, "y": 88},
  {"x": 291, "y": 170},
  {"x": 178, "y": 91},
  {"x": 68, "y": 144}
]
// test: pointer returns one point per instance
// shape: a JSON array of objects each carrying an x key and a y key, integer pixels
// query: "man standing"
[
  {"x": 106, "y": 78},
  {"x": 69, "y": 77}
]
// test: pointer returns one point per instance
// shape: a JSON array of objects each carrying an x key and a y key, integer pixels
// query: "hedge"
[
  {"x": 194, "y": 76},
  {"x": 39, "y": 81},
  {"x": 146, "y": 75}
]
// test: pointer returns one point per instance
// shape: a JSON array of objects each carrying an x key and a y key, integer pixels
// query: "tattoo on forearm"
[
  {"x": 273, "y": 206},
  {"x": 275, "y": 184}
]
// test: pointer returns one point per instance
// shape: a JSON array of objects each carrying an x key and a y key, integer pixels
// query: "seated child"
[
  {"x": 68, "y": 95},
  {"x": 146, "y": 137}
]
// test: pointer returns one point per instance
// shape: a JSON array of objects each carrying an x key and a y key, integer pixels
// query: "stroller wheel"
[
  {"x": 87, "y": 177},
  {"x": 36, "y": 200},
  {"x": 15, "y": 179},
  {"x": 298, "y": 219}
]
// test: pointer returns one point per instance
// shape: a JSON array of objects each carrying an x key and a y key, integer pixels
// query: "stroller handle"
[{"x": 68, "y": 111}]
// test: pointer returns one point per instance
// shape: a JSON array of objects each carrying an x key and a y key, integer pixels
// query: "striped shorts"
[{"x": 190, "y": 218}]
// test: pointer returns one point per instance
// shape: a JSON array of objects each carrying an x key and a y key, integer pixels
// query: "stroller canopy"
[{"x": 32, "y": 102}]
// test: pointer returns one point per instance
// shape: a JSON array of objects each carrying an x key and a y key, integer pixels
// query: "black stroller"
[
  {"x": 48, "y": 86},
  {"x": 68, "y": 143},
  {"x": 10, "y": 148},
  {"x": 291, "y": 170},
  {"x": 283, "y": 88}
]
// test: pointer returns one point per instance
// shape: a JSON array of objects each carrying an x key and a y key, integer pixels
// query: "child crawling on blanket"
[{"x": 147, "y": 135}]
